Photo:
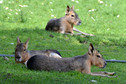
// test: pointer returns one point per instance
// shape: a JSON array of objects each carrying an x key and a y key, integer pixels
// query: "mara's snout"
[
  {"x": 79, "y": 23},
  {"x": 104, "y": 65},
  {"x": 18, "y": 58}
]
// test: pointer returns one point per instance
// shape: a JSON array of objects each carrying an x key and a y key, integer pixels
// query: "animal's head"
[
  {"x": 21, "y": 51},
  {"x": 95, "y": 57},
  {"x": 72, "y": 16}
]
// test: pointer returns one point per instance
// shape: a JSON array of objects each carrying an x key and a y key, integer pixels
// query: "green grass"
[{"x": 107, "y": 23}]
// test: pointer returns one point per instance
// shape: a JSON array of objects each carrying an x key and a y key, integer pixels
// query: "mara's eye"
[
  {"x": 98, "y": 56},
  {"x": 72, "y": 15},
  {"x": 24, "y": 49}
]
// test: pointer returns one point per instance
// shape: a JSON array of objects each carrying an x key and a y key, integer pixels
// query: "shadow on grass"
[{"x": 38, "y": 33}]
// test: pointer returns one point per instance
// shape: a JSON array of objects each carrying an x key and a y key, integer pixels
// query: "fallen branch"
[{"x": 86, "y": 34}]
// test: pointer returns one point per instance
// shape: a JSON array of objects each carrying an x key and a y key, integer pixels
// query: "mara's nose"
[
  {"x": 18, "y": 57},
  {"x": 105, "y": 63},
  {"x": 79, "y": 23}
]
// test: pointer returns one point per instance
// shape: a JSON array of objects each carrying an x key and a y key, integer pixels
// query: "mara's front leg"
[{"x": 103, "y": 74}]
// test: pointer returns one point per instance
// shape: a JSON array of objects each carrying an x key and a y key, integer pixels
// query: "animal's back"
[
  {"x": 58, "y": 64},
  {"x": 38, "y": 62},
  {"x": 53, "y": 25},
  {"x": 55, "y": 51},
  {"x": 48, "y": 52}
]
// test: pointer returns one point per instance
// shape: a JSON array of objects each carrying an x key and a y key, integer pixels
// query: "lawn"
[{"x": 27, "y": 19}]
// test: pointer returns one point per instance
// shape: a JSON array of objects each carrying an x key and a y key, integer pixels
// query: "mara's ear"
[
  {"x": 26, "y": 43},
  {"x": 68, "y": 9},
  {"x": 72, "y": 8},
  {"x": 18, "y": 40},
  {"x": 91, "y": 49}
]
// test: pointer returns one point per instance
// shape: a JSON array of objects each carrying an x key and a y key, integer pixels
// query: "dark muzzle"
[
  {"x": 79, "y": 23},
  {"x": 104, "y": 65},
  {"x": 18, "y": 57}
]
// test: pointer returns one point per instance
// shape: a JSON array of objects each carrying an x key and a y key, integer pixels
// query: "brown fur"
[
  {"x": 78, "y": 63},
  {"x": 22, "y": 54},
  {"x": 64, "y": 24}
]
